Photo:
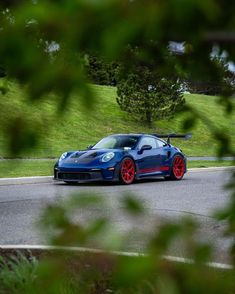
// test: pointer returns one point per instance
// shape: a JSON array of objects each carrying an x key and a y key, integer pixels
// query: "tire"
[
  {"x": 127, "y": 171},
  {"x": 177, "y": 168}
]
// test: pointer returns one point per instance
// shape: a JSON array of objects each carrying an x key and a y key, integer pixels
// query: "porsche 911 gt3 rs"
[{"x": 124, "y": 158}]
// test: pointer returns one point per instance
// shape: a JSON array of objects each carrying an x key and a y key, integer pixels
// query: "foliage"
[
  {"x": 210, "y": 86},
  {"x": 149, "y": 97},
  {"x": 2, "y": 72},
  {"x": 100, "y": 71},
  {"x": 27, "y": 30},
  {"x": 101, "y": 271},
  {"x": 144, "y": 91},
  {"x": 18, "y": 274},
  {"x": 74, "y": 128}
]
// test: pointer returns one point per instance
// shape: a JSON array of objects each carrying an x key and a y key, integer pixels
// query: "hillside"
[{"x": 76, "y": 127}]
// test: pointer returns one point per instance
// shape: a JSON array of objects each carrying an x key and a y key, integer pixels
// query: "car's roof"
[
  {"x": 135, "y": 135},
  {"x": 131, "y": 134}
]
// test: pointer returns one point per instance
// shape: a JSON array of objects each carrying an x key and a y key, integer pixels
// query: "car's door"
[
  {"x": 165, "y": 153},
  {"x": 149, "y": 161}
]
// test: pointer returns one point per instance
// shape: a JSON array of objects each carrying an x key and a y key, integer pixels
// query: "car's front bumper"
[
  {"x": 77, "y": 176},
  {"x": 85, "y": 175}
]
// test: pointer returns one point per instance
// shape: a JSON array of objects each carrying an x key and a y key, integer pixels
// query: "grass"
[
  {"x": 202, "y": 163},
  {"x": 26, "y": 168},
  {"x": 66, "y": 272},
  {"x": 23, "y": 168},
  {"x": 17, "y": 274},
  {"x": 76, "y": 127}
]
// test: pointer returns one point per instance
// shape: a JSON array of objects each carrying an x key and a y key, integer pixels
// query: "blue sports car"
[{"x": 124, "y": 158}]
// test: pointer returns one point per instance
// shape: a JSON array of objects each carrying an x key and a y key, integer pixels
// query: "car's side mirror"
[
  {"x": 145, "y": 147},
  {"x": 89, "y": 147}
]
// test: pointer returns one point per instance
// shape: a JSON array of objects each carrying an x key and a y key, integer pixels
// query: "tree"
[
  {"x": 221, "y": 82},
  {"x": 101, "y": 71},
  {"x": 148, "y": 95}
]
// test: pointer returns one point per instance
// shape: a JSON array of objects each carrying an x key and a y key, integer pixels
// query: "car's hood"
[{"x": 87, "y": 156}]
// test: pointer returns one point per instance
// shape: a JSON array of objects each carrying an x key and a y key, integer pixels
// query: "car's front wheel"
[
  {"x": 177, "y": 168},
  {"x": 127, "y": 171}
]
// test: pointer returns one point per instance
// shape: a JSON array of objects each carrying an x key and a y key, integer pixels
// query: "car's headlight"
[
  {"x": 63, "y": 156},
  {"x": 107, "y": 157}
]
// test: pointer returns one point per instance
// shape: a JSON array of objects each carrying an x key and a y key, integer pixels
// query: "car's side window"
[
  {"x": 148, "y": 141},
  {"x": 160, "y": 143}
]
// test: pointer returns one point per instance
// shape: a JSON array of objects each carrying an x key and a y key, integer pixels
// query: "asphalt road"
[{"x": 198, "y": 195}]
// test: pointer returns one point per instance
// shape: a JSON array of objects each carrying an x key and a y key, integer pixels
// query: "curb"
[
  {"x": 49, "y": 179},
  {"x": 9, "y": 249},
  {"x": 211, "y": 169},
  {"x": 26, "y": 180}
]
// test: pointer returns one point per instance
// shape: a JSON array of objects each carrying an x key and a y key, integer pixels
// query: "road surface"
[{"x": 198, "y": 195}]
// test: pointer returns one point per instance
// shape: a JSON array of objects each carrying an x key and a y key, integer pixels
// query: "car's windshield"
[{"x": 117, "y": 142}]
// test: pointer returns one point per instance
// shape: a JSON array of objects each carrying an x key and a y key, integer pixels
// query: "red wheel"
[
  {"x": 127, "y": 171},
  {"x": 178, "y": 168}
]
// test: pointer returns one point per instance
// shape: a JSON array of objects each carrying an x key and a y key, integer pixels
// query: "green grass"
[
  {"x": 26, "y": 168},
  {"x": 202, "y": 163},
  {"x": 17, "y": 274},
  {"x": 77, "y": 127},
  {"x": 23, "y": 168}
]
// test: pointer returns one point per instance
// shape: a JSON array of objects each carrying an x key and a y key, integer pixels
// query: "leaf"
[{"x": 132, "y": 205}]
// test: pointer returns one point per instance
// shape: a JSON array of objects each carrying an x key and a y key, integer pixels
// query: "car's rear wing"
[{"x": 169, "y": 136}]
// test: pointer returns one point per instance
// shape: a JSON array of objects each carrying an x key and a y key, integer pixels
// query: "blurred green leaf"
[
  {"x": 42, "y": 48},
  {"x": 133, "y": 205},
  {"x": 189, "y": 123},
  {"x": 132, "y": 272}
]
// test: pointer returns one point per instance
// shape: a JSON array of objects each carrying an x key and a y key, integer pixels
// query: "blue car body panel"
[{"x": 87, "y": 165}]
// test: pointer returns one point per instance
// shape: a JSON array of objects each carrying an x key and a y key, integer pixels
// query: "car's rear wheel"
[
  {"x": 177, "y": 169},
  {"x": 127, "y": 171}
]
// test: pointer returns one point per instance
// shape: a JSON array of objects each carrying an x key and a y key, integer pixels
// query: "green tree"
[
  {"x": 146, "y": 93},
  {"x": 221, "y": 82},
  {"x": 101, "y": 71}
]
